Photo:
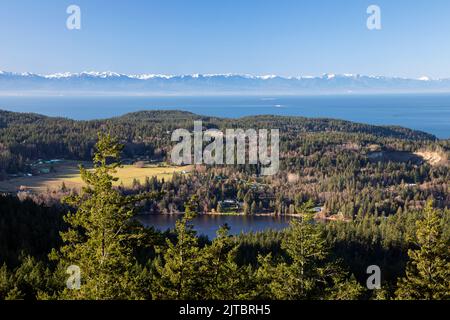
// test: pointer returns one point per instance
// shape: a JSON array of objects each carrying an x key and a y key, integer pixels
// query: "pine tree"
[
  {"x": 345, "y": 289},
  {"x": 222, "y": 278},
  {"x": 270, "y": 278},
  {"x": 5, "y": 282},
  {"x": 177, "y": 267},
  {"x": 102, "y": 234},
  {"x": 428, "y": 271},
  {"x": 306, "y": 246},
  {"x": 306, "y": 274}
]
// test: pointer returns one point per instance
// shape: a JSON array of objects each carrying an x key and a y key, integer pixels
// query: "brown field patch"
[{"x": 68, "y": 172}]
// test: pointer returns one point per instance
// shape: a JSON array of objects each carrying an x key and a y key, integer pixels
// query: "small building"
[{"x": 230, "y": 205}]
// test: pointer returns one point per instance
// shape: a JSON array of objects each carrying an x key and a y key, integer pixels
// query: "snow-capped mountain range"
[{"x": 210, "y": 84}]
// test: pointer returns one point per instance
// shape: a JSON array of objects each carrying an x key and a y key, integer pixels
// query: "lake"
[
  {"x": 208, "y": 224},
  {"x": 425, "y": 112}
]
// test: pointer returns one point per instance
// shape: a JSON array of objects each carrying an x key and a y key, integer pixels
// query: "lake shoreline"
[{"x": 317, "y": 216}]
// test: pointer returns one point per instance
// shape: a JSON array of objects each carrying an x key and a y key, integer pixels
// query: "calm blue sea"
[{"x": 429, "y": 113}]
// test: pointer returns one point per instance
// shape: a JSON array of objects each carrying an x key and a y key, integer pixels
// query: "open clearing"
[
  {"x": 67, "y": 172},
  {"x": 435, "y": 158}
]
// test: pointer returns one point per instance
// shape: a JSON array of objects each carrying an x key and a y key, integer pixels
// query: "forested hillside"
[
  {"x": 349, "y": 169},
  {"x": 29, "y": 136},
  {"x": 385, "y": 200},
  {"x": 119, "y": 259}
]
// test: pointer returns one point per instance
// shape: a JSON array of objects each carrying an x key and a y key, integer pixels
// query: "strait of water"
[{"x": 425, "y": 112}]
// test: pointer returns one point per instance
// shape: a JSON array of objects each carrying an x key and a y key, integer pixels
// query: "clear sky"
[{"x": 284, "y": 37}]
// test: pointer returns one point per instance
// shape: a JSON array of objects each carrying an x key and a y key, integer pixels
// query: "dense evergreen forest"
[
  {"x": 346, "y": 168},
  {"x": 31, "y": 136},
  {"x": 386, "y": 202}
]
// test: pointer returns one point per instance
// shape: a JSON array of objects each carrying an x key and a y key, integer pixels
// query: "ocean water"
[{"x": 427, "y": 112}]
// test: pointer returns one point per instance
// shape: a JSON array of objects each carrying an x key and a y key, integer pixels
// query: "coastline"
[{"x": 317, "y": 216}]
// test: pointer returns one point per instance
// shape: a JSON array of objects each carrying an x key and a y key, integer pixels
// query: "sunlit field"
[{"x": 68, "y": 173}]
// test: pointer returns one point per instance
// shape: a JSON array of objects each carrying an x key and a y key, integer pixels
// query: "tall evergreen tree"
[
  {"x": 5, "y": 282},
  {"x": 101, "y": 234},
  {"x": 428, "y": 271},
  {"x": 177, "y": 267},
  {"x": 306, "y": 246},
  {"x": 306, "y": 273},
  {"x": 222, "y": 278}
]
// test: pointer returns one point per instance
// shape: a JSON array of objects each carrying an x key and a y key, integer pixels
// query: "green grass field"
[{"x": 68, "y": 173}]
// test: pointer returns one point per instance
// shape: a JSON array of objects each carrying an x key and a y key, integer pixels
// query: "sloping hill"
[{"x": 26, "y": 136}]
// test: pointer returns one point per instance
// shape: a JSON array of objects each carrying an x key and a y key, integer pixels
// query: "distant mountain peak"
[
  {"x": 146, "y": 76},
  {"x": 109, "y": 82}
]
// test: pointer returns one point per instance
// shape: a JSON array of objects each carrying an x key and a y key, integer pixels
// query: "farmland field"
[{"x": 68, "y": 172}]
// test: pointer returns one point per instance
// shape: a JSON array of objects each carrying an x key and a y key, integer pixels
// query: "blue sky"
[{"x": 283, "y": 37}]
